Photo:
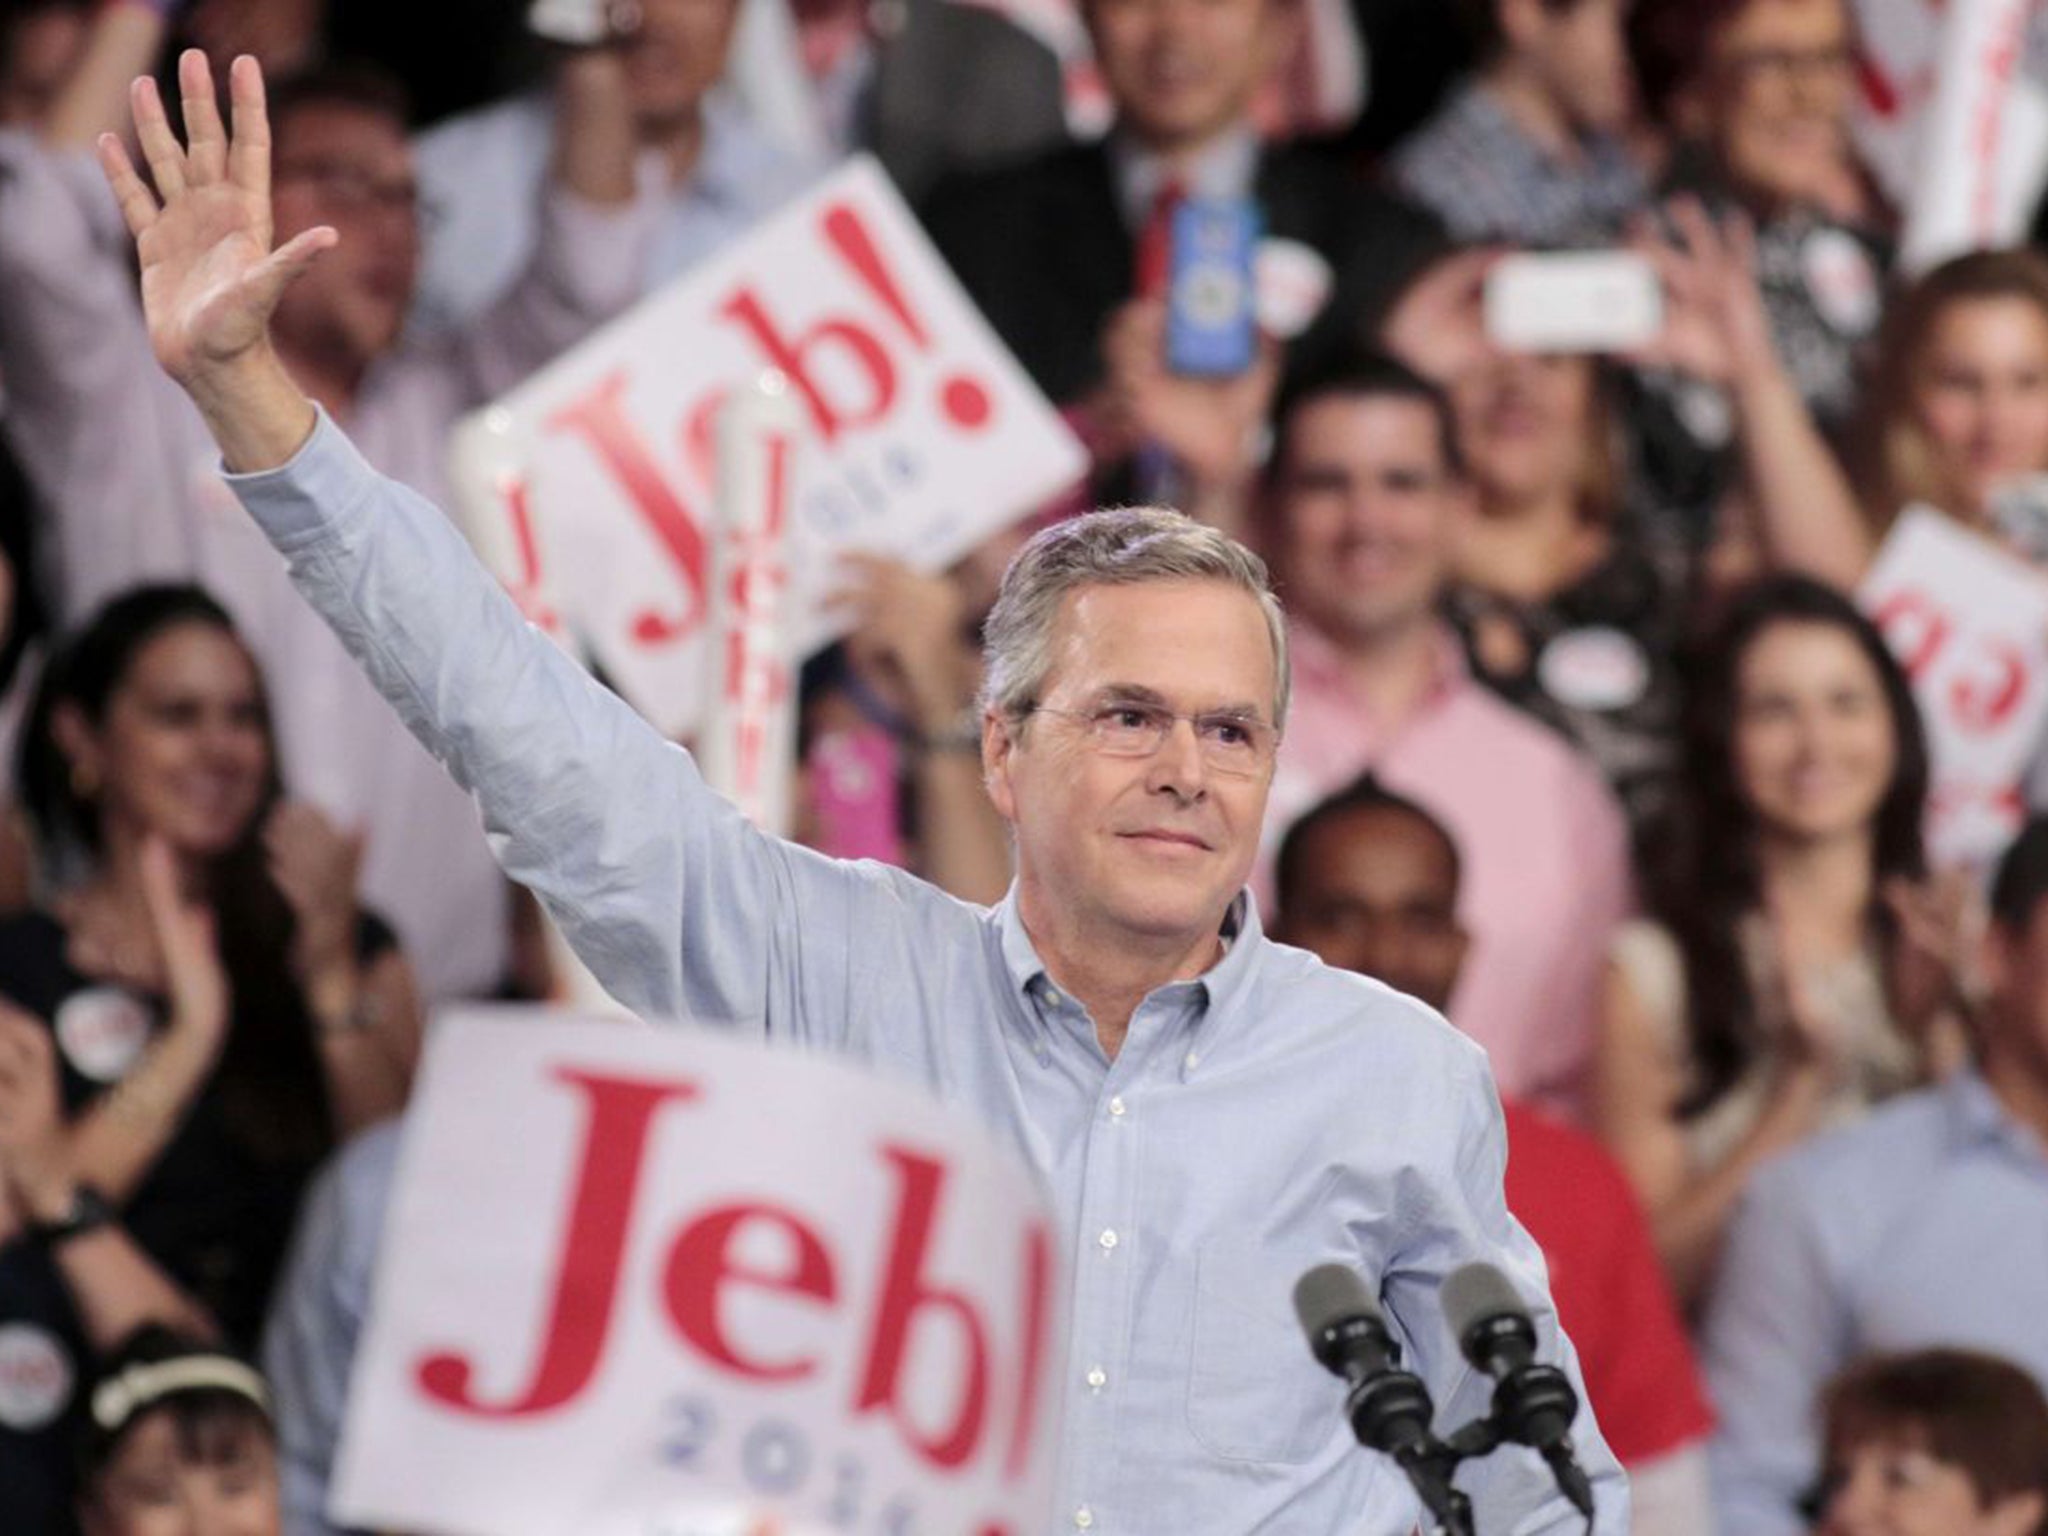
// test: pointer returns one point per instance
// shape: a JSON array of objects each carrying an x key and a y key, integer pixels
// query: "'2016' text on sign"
[
  {"x": 589, "y": 488},
  {"x": 639, "y": 1281}
]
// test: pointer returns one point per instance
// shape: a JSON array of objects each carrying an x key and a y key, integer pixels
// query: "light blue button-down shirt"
[
  {"x": 1268, "y": 1116},
  {"x": 1924, "y": 1225}
]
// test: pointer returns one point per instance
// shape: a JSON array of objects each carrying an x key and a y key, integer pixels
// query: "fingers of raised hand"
[
  {"x": 159, "y": 145},
  {"x": 138, "y": 203},
  {"x": 249, "y": 153},
  {"x": 206, "y": 140}
]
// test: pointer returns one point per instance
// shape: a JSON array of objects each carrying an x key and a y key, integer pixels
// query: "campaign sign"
[
  {"x": 589, "y": 488},
  {"x": 662, "y": 1282},
  {"x": 1969, "y": 623}
]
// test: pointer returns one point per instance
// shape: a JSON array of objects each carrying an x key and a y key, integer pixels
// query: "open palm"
[{"x": 210, "y": 279}]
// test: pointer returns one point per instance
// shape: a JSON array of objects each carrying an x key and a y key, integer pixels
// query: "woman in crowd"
[
  {"x": 223, "y": 1010},
  {"x": 180, "y": 1441},
  {"x": 1938, "y": 1443},
  {"x": 1958, "y": 411},
  {"x": 1577, "y": 566},
  {"x": 1756, "y": 96},
  {"x": 1799, "y": 971}
]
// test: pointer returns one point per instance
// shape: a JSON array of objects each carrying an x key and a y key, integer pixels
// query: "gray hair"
[{"x": 1121, "y": 546}]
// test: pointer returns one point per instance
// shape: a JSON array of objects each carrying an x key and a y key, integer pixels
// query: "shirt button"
[
  {"x": 1084, "y": 1517},
  {"x": 1194, "y": 1060},
  {"x": 1116, "y": 1109},
  {"x": 1098, "y": 1378},
  {"x": 1053, "y": 998},
  {"x": 1108, "y": 1238}
]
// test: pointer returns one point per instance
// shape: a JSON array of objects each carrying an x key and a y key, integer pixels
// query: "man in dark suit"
[{"x": 1049, "y": 248}]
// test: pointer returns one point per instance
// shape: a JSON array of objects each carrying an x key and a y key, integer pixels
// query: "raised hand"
[
  {"x": 194, "y": 978},
  {"x": 210, "y": 279},
  {"x": 1716, "y": 328}
]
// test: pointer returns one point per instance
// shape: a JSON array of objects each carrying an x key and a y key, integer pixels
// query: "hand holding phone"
[
  {"x": 1573, "y": 301},
  {"x": 1211, "y": 295}
]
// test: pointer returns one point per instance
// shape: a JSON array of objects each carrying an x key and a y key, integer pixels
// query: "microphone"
[
  {"x": 1533, "y": 1403},
  {"x": 1388, "y": 1408}
]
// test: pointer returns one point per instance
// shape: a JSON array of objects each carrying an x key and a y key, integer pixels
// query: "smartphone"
[
  {"x": 1211, "y": 295},
  {"x": 1573, "y": 301}
]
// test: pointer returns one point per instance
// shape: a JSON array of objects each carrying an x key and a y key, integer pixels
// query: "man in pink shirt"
[{"x": 1359, "y": 509}]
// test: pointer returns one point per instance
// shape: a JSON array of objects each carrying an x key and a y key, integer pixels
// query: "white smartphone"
[
  {"x": 1573, "y": 301},
  {"x": 577, "y": 23}
]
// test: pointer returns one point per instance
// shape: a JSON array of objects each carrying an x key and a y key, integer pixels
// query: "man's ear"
[{"x": 998, "y": 745}]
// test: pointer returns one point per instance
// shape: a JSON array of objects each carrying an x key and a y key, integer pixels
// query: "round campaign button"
[
  {"x": 35, "y": 1376},
  {"x": 1596, "y": 668},
  {"x": 1842, "y": 280},
  {"x": 102, "y": 1031}
]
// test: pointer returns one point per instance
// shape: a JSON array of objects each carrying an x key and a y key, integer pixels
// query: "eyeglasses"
[
  {"x": 1787, "y": 65},
  {"x": 349, "y": 189},
  {"x": 1231, "y": 744}
]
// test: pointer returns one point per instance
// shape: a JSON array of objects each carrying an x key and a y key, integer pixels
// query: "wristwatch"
[{"x": 87, "y": 1210}]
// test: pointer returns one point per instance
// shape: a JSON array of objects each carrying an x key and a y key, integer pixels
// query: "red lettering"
[
  {"x": 1916, "y": 630},
  {"x": 526, "y": 590},
  {"x": 600, "y": 419},
  {"x": 618, "y": 1113},
  {"x": 702, "y": 1264},
  {"x": 904, "y": 1294},
  {"x": 796, "y": 359},
  {"x": 1984, "y": 703}
]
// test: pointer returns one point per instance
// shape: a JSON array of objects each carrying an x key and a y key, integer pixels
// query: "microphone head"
[
  {"x": 1479, "y": 1293},
  {"x": 1329, "y": 1294}
]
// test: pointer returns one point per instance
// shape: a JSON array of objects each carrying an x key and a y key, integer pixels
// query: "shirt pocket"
[{"x": 1254, "y": 1391}]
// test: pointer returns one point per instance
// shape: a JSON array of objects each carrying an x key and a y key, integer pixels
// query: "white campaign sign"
[
  {"x": 589, "y": 488},
  {"x": 1969, "y": 623},
  {"x": 1955, "y": 119},
  {"x": 661, "y": 1282}
]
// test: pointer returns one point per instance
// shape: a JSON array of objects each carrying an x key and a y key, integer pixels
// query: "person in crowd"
[
  {"x": 1939, "y": 1442},
  {"x": 1136, "y": 692},
  {"x": 1925, "y": 1225},
  {"x": 1532, "y": 147},
  {"x": 1757, "y": 96},
  {"x": 1800, "y": 968},
  {"x": 697, "y": 159},
  {"x": 39, "y": 44},
  {"x": 892, "y": 750},
  {"x": 180, "y": 1440},
  {"x": 1957, "y": 415},
  {"x": 73, "y": 1285},
  {"x": 1577, "y": 569},
  {"x": 289, "y": 36},
  {"x": 1368, "y": 881},
  {"x": 1055, "y": 250},
  {"x": 223, "y": 1008},
  {"x": 146, "y": 502},
  {"x": 1361, "y": 508}
]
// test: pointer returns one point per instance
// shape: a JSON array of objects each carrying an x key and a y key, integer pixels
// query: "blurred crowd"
[{"x": 1592, "y": 746}]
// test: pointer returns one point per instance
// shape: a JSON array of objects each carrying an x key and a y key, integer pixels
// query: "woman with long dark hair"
[
  {"x": 1780, "y": 993},
  {"x": 223, "y": 1009}
]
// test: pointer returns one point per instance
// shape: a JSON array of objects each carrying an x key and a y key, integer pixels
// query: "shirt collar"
[
  {"x": 1222, "y": 983},
  {"x": 1224, "y": 169}
]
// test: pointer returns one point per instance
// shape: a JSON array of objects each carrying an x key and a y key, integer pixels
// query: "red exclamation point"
[{"x": 964, "y": 399}]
